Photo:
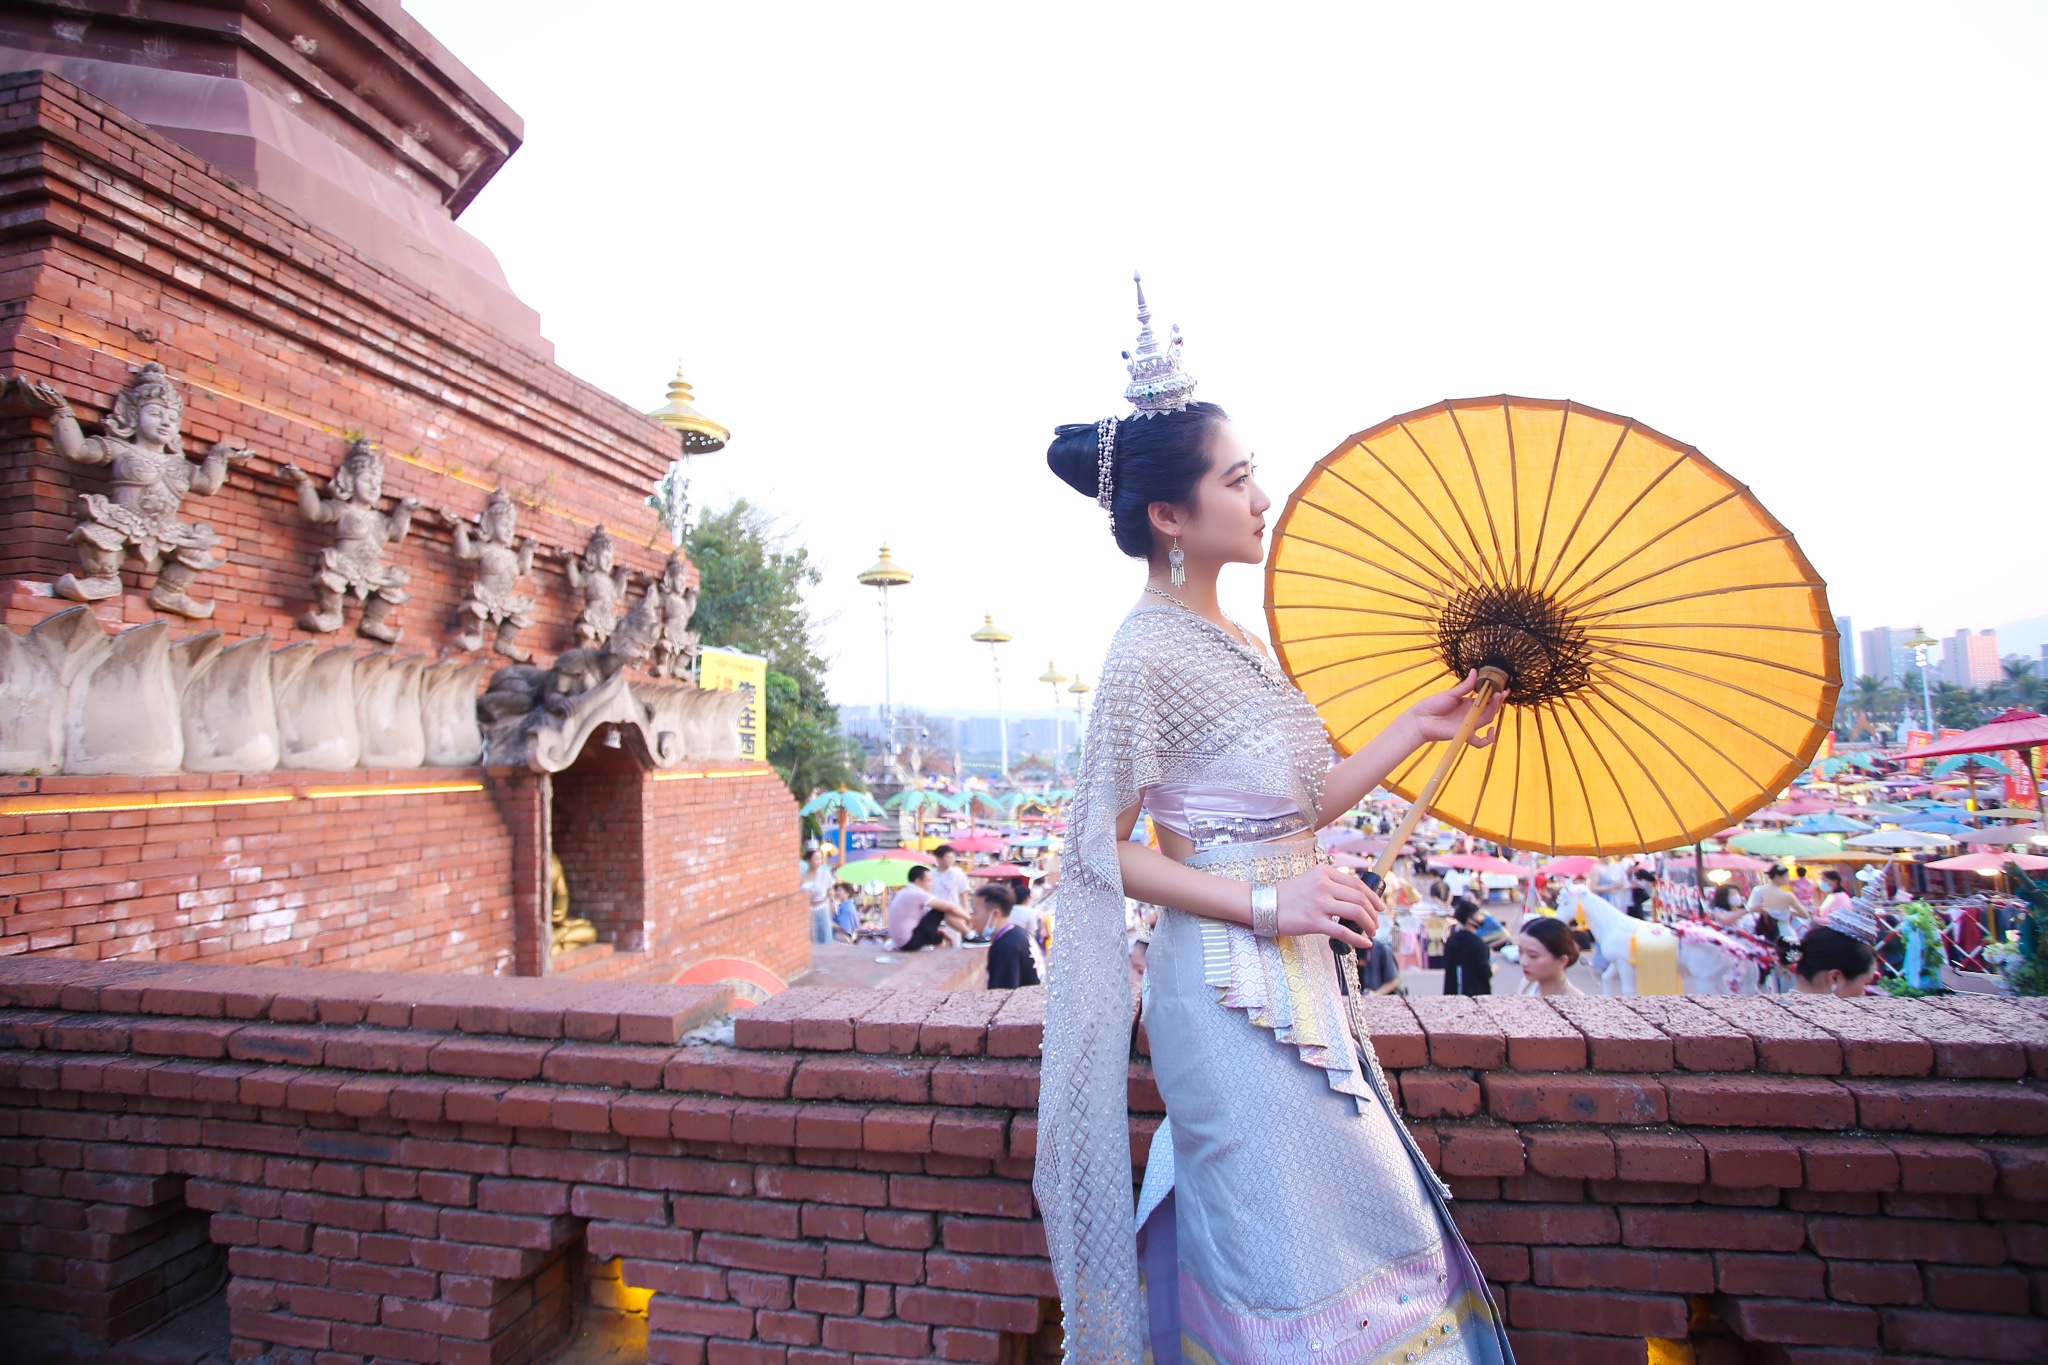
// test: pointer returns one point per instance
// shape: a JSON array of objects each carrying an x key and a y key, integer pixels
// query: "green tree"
[{"x": 750, "y": 596}]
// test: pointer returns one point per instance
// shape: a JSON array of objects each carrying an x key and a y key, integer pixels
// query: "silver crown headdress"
[{"x": 1158, "y": 385}]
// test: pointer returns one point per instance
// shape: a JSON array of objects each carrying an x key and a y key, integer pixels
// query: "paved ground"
[{"x": 865, "y": 966}]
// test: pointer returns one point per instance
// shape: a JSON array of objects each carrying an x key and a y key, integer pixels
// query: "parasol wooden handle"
[{"x": 1491, "y": 680}]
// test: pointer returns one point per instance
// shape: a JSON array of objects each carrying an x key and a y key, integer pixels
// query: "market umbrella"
[
  {"x": 2008, "y": 813},
  {"x": 1992, "y": 862},
  {"x": 1578, "y": 865},
  {"x": 1949, "y": 829},
  {"x": 847, "y": 805},
  {"x": 1899, "y": 839},
  {"x": 1669, "y": 655},
  {"x": 1736, "y": 862},
  {"x": 1480, "y": 862},
  {"x": 1000, "y": 870},
  {"x": 1811, "y": 846},
  {"x": 888, "y": 871},
  {"x": 2020, "y": 730},
  {"x": 1828, "y": 824},
  {"x": 2002, "y": 834},
  {"x": 978, "y": 843}
]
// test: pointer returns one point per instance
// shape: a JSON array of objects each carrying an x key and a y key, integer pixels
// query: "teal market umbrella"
[
  {"x": 847, "y": 805},
  {"x": 1828, "y": 824}
]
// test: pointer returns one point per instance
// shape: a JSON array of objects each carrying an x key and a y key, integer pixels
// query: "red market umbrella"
[
  {"x": 1578, "y": 865},
  {"x": 2018, "y": 729},
  {"x": 999, "y": 870},
  {"x": 977, "y": 843}
]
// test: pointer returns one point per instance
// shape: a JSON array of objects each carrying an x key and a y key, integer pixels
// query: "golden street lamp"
[
  {"x": 699, "y": 435},
  {"x": 992, "y": 635},
  {"x": 1053, "y": 678},
  {"x": 884, "y": 574}
]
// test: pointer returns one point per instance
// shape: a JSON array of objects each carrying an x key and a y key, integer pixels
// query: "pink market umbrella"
[
  {"x": 1578, "y": 865},
  {"x": 1480, "y": 862},
  {"x": 999, "y": 870},
  {"x": 1735, "y": 862},
  {"x": 1991, "y": 862},
  {"x": 977, "y": 843}
]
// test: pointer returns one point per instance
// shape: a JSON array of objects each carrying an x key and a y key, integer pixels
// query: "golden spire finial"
[{"x": 700, "y": 434}]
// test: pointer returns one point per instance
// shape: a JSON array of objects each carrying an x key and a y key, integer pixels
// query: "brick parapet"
[{"x": 853, "y": 1178}]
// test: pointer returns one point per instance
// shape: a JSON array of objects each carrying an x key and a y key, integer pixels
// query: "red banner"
[
  {"x": 1915, "y": 739},
  {"x": 2019, "y": 787}
]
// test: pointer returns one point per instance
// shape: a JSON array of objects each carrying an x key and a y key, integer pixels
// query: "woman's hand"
[
  {"x": 1437, "y": 717},
  {"x": 1313, "y": 903}
]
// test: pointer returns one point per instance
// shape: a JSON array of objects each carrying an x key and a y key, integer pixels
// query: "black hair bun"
[{"x": 1075, "y": 455}]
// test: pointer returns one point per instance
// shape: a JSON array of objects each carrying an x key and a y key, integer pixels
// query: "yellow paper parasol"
[{"x": 1670, "y": 656}]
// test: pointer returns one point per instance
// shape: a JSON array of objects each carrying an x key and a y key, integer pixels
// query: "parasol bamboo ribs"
[{"x": 1491, "y": 680}]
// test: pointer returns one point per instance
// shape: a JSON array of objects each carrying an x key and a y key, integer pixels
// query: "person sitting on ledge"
[
  {"x": 845, "y": 912},
  {"x": 918, "y": 919}
]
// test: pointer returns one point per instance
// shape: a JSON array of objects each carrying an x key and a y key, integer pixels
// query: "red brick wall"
[
  {"x": 441, "y": 881},
  {"x": 120, "y": 247},
  {"x": 386, "y": 1157}
]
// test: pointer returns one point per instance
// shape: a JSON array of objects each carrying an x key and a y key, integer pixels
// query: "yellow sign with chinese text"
[{"x": 730, "y": 668}]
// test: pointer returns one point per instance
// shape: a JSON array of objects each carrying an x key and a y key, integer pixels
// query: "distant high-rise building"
[
  {"x": 1847, "y": 645},
  {"x": 1885, "y": 656},
  {"x": 1970, "y": 660}
]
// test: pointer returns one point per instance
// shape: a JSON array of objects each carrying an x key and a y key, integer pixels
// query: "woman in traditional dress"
[{"x": 1286, "y": 1215}]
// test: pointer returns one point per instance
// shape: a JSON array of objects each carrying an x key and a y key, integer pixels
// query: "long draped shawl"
[{"x": 1179, "y": 701}]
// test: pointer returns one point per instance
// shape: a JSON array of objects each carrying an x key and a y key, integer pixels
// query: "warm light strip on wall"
[
  {"x": 722, "y": 772},
  {"x": 424, "y": 789},
  {"x": 79, "y": 805},
  {"x": 87, "y": 805}
]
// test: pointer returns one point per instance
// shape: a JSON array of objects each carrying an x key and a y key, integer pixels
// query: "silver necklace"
[{"x": 1243, "y": 640}]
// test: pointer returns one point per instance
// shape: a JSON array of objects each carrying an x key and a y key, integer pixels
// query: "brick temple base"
[{"x": 440, "y": 1169}]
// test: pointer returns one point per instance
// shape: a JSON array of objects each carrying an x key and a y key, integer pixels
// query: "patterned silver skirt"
[{"x": 1302, "y": 1226}]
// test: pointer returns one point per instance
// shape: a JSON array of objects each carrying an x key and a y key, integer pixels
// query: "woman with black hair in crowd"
[
  {"x": 1832, "y": 963},
  {"x": 1468, "y": 962},
  {"x": 1547, "y": 952},
  {"x": 1247, "y": 1253}
]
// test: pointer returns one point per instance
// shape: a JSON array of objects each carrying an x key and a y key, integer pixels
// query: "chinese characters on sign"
[{"x": 729, "y": 668}]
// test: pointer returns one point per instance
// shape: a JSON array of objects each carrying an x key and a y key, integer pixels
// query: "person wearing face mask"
[{"x": 1245, "y": 1253}]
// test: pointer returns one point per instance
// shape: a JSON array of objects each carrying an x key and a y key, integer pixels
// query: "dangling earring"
[{"x": 1176, "y": 565}]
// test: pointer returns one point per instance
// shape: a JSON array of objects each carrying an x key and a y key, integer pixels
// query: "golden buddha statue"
[{"x": 564, "y": 931}]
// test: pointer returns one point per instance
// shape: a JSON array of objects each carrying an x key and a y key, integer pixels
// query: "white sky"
[{"x": 892, "y": 247}]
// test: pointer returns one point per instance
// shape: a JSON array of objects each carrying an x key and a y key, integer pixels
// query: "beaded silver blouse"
[{"x": 1179, "y": 701}]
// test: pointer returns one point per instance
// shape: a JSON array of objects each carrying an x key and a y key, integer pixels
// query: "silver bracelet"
[{"x": 1265, "y": 910}]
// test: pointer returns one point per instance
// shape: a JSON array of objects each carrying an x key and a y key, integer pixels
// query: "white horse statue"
[{"x": 1647, "y": 958}]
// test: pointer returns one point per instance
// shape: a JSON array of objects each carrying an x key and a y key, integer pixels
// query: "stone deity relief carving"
[
  {"x": 150, "y": 480},
  {"x": 603, "y": 585},
  {"x": 494, "y": 599},
  {"x": 362, "y": 531},
  {"x": 675, "y": 646}
]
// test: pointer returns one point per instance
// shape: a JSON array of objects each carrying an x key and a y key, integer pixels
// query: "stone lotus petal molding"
[
  {"x": 448, "y": 714},
  {"x": 387, "y": 695},
  {"x": 121, "y": 716},
  {"x": 74, "y": 699},
  {"x": 230, "y": 710},
  {"x": 36, "y": 674},
  {"x": 316, "y": 707}
]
